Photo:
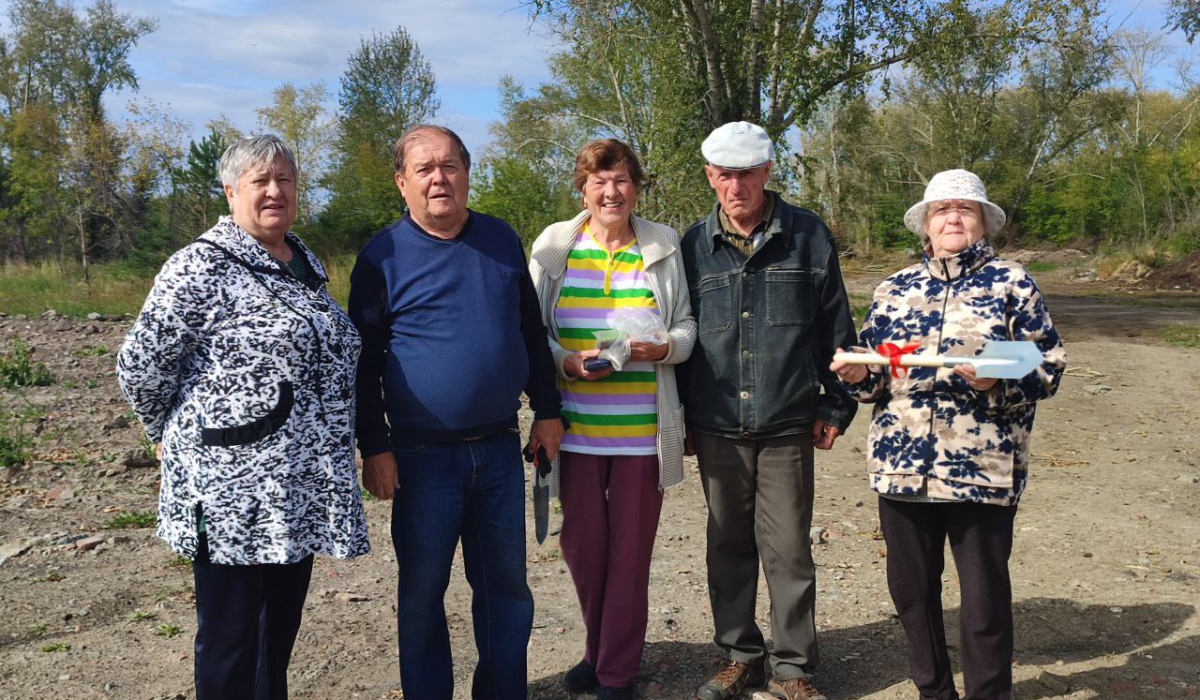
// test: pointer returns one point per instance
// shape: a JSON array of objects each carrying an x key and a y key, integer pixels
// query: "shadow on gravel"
[{"x": 866, "y": 659}]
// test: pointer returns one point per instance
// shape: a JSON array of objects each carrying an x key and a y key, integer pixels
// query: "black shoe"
[
  {"x": 582, "y": 679},
  {"x": 607, "y": 692}
]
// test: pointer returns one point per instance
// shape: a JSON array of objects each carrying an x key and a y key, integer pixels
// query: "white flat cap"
[{"x": 738, "y": 146}]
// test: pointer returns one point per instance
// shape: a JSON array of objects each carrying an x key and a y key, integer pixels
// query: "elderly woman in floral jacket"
[
  {"x": 241, "y": 365},
  {"x": 949, "y": 451}
]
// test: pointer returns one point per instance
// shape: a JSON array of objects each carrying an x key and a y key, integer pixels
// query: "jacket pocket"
[
  {"x": 789, "y": 297},
  {"x": 256, "y": 429},
  {"x": 714, "y": 313}
]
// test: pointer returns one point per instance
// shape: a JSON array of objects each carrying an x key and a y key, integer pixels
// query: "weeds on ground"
[
  {"x": 93, "y": 351},
  {"x": 52, "y": 577},
  {"x": 1038, "y": 267},
  {"x": 14, "y": 438},
  {"x": 139, "y": 615},
  {"x": 17, "y": 368},
  {"x": 167, "y": 630},
  {"x": 1185, "y": 336},
  {"x": 56, "y": 647},
  {"x": 131, "y": 520},
  {"x": 36, "y": 630},
  {"x": 14, "y": 449}
]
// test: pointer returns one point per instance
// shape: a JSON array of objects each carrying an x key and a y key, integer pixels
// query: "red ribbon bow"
[{"x": 893, "y": 352}]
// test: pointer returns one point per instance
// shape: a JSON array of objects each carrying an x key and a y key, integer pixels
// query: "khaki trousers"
[{"x": 760, "y": 501}]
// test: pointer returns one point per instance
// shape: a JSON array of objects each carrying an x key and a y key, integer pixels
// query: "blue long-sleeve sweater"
[{"x": 452, "y": 334}]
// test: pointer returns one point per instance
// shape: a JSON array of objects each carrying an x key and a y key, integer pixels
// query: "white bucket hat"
[{"x": 954, "y": 184}]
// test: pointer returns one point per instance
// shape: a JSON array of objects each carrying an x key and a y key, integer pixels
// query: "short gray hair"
[
  {"x": 414, "y": 133},
  {"x": 250, "y": 151}
]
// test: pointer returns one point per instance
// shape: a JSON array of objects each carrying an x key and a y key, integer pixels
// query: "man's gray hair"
[
  {"x": 414, "y": 133},
  {"x": 251, "y": 151}
]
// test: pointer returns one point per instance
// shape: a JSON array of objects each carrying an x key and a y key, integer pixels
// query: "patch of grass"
[
  {"x": 139, "y": 615},
  {"x": 52, "y": 577},
  {"x": 1041, "y": 266},
  {"x": 92, "y": 383},
  {"x": 131, "y": 520},
  {"x": 17, "y": 368},
  {"x": 338, "y": 270},
  {"x": 178, "y": 562},
  {"x": 167, "y": 630},
  {"x": 36, "y": 630},
  {"x": 93, "y": 351},
  {"x": 114, "y": 289},
  {"x": 1184, "y": 336},
  {"x": 56, "y": 647}
]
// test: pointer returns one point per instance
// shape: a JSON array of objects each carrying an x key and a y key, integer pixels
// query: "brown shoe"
[
  {"x": 794, "y": 689},
  {"x": 731, "y": 680}
]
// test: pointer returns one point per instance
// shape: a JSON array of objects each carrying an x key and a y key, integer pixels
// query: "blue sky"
[{"x": 213, "y": 57}]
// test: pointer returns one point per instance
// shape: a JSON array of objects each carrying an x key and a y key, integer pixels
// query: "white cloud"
[{"x": 212, "y": 57}]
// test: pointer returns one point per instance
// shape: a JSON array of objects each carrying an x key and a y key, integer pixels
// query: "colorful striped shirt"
[{"x": 617, "y": 415}]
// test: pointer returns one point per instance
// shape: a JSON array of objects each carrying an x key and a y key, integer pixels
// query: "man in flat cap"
[{"x": 767, "y": 293}]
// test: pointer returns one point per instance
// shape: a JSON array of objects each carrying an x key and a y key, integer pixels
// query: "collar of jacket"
[
  {"x": 713, "y": 225},
  {"x": 961, "y": 264},
  {"x": 236, "y": 240},
  {"x": 656, "y": 241}
]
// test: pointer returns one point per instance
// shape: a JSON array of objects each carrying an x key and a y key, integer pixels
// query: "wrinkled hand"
[
  {"x": 689, "y": 447},
  {"x": 574, "y": 368},
  {"x": 547, "y": 433},
  {"x": 848, "y": 372},
  {"x": 824, "y": 434},
  {"x": 380, "y": 475},
  {"x": 967, "y": 372},
  {"x": 640, "y": 351}
]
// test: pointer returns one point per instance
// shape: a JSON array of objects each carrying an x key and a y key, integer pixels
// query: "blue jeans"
[{"x": 476, "y": 491}]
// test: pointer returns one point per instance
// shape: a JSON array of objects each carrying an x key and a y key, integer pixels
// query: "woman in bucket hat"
[{"x": 949, "y": 451}]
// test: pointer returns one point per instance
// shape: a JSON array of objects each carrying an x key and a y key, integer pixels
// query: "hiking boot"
[
  {"x": 731, "y": 680},
  {"x": 794, "y": 689},
  {"x": 581, "y": 678},
  {"x": 608, "y": 692}
]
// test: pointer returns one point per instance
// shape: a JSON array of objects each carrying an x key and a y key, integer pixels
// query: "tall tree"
[
  {"x": 388, "y": 86},
  {"x": 200, "y": 180},
  {"x": 772, "y": 61},
  {"x": 299, "y": 118}
]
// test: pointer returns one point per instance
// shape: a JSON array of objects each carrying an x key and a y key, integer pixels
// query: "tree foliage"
[
  {"x": 387, "y": 87},
  {"x": 298, "y": 117}
]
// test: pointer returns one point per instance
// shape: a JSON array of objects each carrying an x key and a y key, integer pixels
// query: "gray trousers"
[{"x": 760, "y": 501}]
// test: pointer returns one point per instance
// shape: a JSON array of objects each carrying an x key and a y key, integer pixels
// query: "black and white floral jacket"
[{"x": 246, "y": 377}]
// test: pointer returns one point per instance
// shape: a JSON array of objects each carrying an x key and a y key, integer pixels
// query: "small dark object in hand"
[{"x": 596, "y": 364}]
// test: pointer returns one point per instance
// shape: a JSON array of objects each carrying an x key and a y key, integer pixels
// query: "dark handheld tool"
[
  {"x": 541, "y": 490},
  {"x": 541, "y": 486}
]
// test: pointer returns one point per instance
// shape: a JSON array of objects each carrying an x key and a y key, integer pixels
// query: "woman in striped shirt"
[{"x": 625, "y": 444}]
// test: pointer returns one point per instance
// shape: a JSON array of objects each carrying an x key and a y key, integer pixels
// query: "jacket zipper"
[{"x": 931, "y": 453}]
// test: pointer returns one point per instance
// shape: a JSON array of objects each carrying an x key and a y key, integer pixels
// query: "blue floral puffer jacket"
[{"x": 931, "y": 434}]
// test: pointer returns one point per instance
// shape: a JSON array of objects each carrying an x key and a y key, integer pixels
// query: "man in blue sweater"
[{"x": 452, "y": 334}]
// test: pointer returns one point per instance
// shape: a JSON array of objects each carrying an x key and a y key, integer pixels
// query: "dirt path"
[{"x": 1106, "y": 566}]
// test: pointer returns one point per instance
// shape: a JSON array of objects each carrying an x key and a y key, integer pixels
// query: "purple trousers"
[{"x": 610, "y": 517}]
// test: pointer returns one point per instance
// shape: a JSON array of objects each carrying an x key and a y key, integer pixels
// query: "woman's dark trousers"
[
  {"x": 981, "y": 539},
  {"x": 247, "y": 620}
]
